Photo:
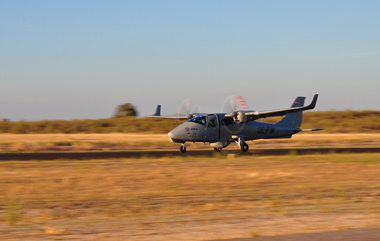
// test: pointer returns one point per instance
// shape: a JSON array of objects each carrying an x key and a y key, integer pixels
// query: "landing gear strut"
[{"x": 182, "y": 148}]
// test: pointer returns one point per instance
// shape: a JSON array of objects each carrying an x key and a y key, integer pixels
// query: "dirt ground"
[
  {"x": 125, "y": 142},
  {"x": 188, "y": 198}
]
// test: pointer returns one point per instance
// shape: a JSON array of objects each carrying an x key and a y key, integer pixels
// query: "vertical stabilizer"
[{"x": 294, "y": 119}]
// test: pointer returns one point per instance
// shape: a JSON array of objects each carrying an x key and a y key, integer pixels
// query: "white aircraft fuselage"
[{"x": 220, "y": 131}]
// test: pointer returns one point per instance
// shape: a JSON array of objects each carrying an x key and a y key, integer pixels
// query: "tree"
[{"x": 126, "y": 109}]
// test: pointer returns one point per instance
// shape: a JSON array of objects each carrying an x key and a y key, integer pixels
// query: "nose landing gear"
[{"x": 182, "y": 148}]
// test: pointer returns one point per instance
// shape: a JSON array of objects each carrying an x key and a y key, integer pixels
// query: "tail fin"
[{"x": 295, "y": 118}]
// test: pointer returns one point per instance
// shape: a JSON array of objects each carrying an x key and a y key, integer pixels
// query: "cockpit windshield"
[{"x": 201, "y": 119}]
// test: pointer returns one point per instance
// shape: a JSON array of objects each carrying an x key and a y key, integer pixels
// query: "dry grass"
[
  {"x": 189, "y": 199},
  {"x": 365, "y": 121},
  {"x": 81, "y": 142},
  {"x": 125, "y": 142}
]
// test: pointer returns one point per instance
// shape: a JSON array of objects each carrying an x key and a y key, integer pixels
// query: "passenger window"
[{"x": 226, "y": 122}]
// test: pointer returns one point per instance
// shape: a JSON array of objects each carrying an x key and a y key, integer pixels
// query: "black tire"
[
  {"x": 244, "y": 147},
  {"x": 217, "y": 149},
  {"x": 182, "y": 149}
]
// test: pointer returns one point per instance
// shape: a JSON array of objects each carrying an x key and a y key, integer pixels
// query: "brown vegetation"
[
  {"x": 188, "y": 199},
  {"x": 122, "y": 125},
  {"x": 331, "y": 121}
]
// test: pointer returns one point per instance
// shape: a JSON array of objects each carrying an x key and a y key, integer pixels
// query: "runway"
[{"x": 190, "y": 153}]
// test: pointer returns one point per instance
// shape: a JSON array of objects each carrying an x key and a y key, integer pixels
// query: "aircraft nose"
[
  {"x": 171, "y": 134},
  {"x": 175, "y": 134}
]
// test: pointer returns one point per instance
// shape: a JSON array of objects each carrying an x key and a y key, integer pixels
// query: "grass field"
[
  {"x": 188, "y": 198},
  {"x": 125, "y": 142}
]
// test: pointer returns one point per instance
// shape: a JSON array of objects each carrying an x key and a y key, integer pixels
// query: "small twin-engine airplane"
[{"x": 220, "y": 129}]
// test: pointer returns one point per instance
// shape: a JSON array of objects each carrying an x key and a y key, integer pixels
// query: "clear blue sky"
[{"x": 80, "y": 59}]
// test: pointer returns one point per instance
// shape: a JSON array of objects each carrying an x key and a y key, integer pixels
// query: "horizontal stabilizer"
[{"x": 315, "y": 129}]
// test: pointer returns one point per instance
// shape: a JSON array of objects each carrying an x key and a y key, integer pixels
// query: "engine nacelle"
[{"x": 240, "y": 117}]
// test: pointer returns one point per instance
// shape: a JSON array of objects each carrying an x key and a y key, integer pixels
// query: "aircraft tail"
[{"x": 295, "y": 118}]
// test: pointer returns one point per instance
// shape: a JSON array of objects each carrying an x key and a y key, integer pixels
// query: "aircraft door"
[{"x": 212, "y": 128}]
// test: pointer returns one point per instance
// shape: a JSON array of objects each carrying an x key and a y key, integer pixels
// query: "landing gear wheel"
[
  {"x": 244, "y": 147},
  {"x": 217, "y": 149},
  {"x": 183, "y": 148}
]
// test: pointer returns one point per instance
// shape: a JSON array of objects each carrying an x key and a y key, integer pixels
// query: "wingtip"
[
  {"x": 313, "y": 102},
  {"x": 158, "y": 111}
]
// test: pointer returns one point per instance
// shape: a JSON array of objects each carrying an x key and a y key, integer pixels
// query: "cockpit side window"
[
  {"x": 211, "y": 121},
  {"x": 199, "y": 119}
]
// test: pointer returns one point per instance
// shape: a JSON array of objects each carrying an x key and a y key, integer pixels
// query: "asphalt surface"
[
  {"x": 205, "y": 153},
  {"x": 346, "y": 235}
]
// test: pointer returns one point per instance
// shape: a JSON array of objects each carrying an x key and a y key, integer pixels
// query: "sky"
[{"x": 80, "y": 59}]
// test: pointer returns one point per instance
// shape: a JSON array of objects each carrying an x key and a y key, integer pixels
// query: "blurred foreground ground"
[{"x": 188, "y": 198}]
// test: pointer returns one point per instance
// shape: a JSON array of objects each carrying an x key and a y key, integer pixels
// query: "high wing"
[
  {"x": 250, "y": 116},
  {"x": 265, "y": 114},
  {"x": 157, "y": 114}
]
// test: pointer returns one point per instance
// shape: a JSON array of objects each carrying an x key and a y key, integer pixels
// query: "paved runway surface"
[
  {"x": 206, "y": 153},
  {"x": 346, "y": 235}
]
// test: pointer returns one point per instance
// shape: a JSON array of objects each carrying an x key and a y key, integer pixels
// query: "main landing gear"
[
  {"x": 182, "y": 148},
  {"x": 244, "y": 147},
  {"x": 241, "y": 142}
]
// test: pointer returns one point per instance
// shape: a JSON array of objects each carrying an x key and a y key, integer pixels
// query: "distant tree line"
[{"x": 122, "y": 125}]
